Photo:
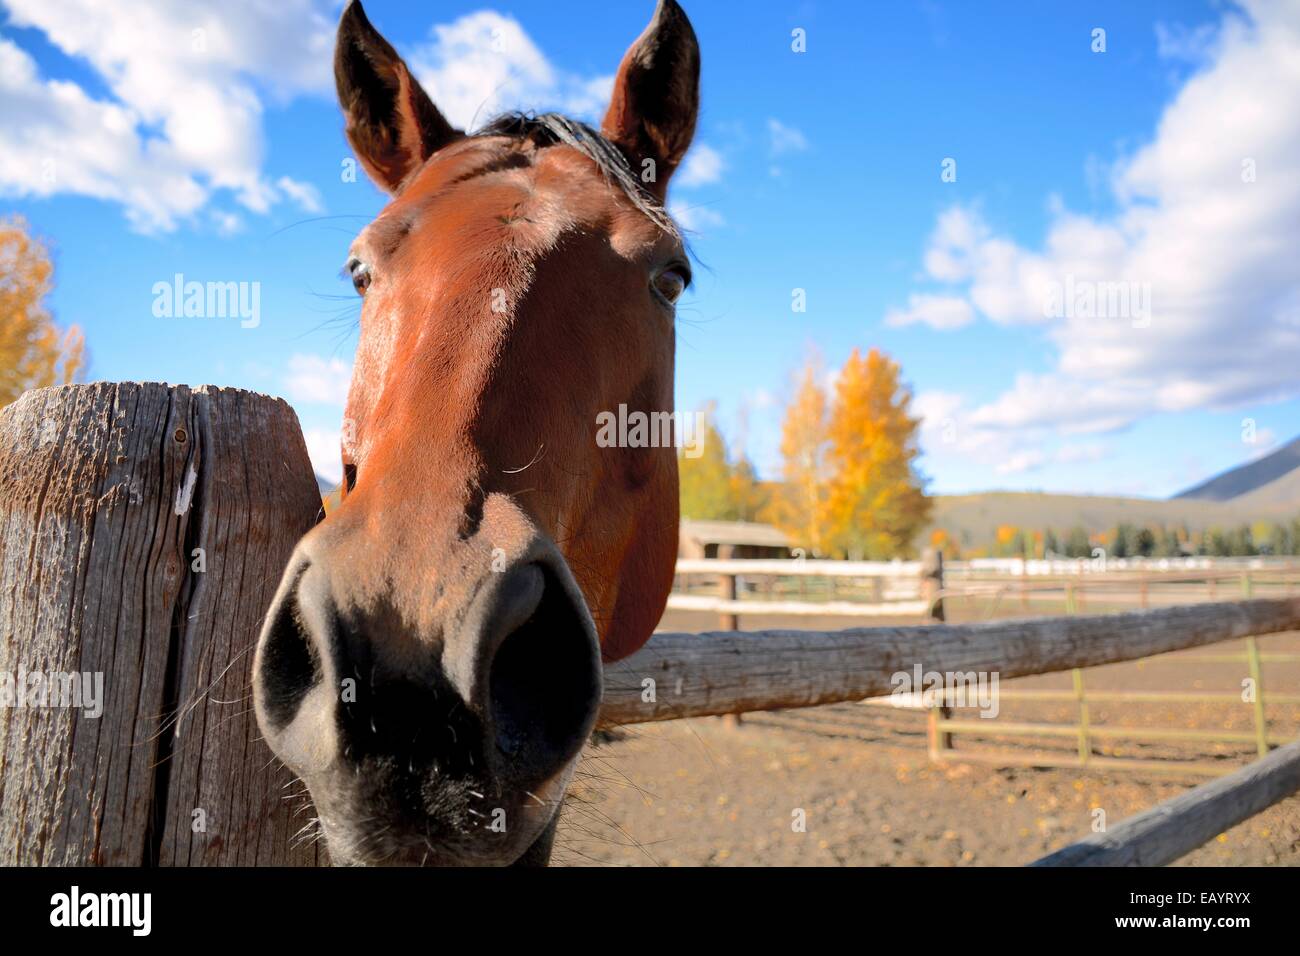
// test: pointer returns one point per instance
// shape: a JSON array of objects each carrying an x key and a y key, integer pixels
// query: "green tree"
[
  {"x": 1166, "y": 543},
  {"x": 1240, "y": 542},
  {"x": 1051, "y": 547},
  {"x": 1077, "y": 544},
  {"x": 705, "y": 479},
  {"x": 748, "y": 499},
  {"x": 713, "y": 487},
  {"x": 1119, "y": 541}
]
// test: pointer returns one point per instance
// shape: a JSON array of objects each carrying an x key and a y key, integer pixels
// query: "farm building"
[{"x": 731, "y": 539}]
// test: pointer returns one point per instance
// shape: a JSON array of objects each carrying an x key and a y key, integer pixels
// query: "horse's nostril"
[
  {"x": 418, "y": 739},
  {"x": 543, "y": 688},
  {"x": 288, "y": 663}
]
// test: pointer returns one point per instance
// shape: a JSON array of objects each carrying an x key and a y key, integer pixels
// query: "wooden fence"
[
  {"x": 1176, "y": 827},
  {"x": 725, "y": 672},
  {"x": 942, "y": 727},
  {"x": 918, "y": 590},
  {"x": 143, "y": 529},
  {"x": 732, "y": 588},
  {"x": 879, "y": 588}
]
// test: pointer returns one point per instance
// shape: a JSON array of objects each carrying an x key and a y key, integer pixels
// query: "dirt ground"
[{"x": 703, "y": 793}]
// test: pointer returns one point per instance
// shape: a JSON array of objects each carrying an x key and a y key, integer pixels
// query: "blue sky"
[{"x": 203, "y": 138}]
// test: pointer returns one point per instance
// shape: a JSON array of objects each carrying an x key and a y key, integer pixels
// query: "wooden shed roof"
[{"x": 735, "y": 532}]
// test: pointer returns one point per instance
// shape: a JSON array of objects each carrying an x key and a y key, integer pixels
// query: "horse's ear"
[
  {"x": 392, "y": 124},
  {"x": 657, "y": 96}
]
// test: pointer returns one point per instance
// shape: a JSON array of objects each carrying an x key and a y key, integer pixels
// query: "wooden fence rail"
[
  {"x": 906, "y": 589},
  {"x": 726, "y": 672},
  {"x": 916, "y": 589},
  {"x": 1176, "y": 827}
]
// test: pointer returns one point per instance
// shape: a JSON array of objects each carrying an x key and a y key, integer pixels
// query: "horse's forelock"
[{"x": 548, "y": 129}]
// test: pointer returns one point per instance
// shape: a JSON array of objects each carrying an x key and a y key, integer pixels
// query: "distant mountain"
[
  {"x": 1279, "y": 493},
  {"x": 1276, "y": 468},
  {"x": 1267, "y": 489},
  {"x": 325, "y": 485},
  {"x": 975, "y": 518}
]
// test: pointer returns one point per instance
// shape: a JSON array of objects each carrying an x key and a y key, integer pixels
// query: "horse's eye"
[
  {"x": 360, "y": 273},
  {"x": 671, "y": 283}
]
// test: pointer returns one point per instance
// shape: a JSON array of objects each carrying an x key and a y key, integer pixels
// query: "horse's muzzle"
[{"x": 440, "y": 737}]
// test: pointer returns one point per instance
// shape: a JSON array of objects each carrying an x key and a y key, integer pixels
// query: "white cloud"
[
  {"x": 54, "y": 138},
  {"x": 946, "y": 429},
  {"x": 936, "y": 407},
  {"x": 1174, "y": 41},
  {"x": 695, "y": 218},
  {"x": 703, "y": 165},
  {"x": 313, "y": 378},
  {"x": 305, "y": 195},
  {"x": 1078, "y": 454},
  {"x": 1266, "y": 442},
  {"x": 187, "y": 82},
  {"x": 1066, "y": 405},
  {"x": 227, "y": 223},
  {"x": 323, "y": 450},
  {"x": 937, "y": 311},
  {"x": 955, "y": 239},
  {"x": 1214, "y": 251},
  {"x": 485, "y": 62},
  {"x": 1022, "y": 462},
  {"x": 784, "y": 139},
  {"x": 952, "y": 435}
]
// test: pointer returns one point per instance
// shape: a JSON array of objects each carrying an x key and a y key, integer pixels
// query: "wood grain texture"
[
  {"x": 1176, "y": 827},
  {"x": 106, "y": 492},
  {"x": 723, "y": 672}
]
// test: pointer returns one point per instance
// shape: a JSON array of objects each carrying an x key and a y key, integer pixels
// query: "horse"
[{"x": 431, "y": 663}]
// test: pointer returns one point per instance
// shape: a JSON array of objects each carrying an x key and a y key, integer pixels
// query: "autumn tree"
[
  {"x": 748, "y": 500},
  {"x": 33, "y": 350},
  {"x": 799, "y": 507},
  {"x": 713, "y": 487},
  {"x": 875, "y": 504},
  {"x": 703, "y": 474},
  {"x": 1008, "y": 539}
]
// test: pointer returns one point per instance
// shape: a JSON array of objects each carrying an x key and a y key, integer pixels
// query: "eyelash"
[
  {"x": 350, "y": 270},
  {"x": 683, "y": 270}
]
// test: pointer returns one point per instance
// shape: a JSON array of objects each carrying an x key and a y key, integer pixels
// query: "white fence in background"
[
  {"x": 815, "y": 587},
  {"x": 1102, "y": 564}
]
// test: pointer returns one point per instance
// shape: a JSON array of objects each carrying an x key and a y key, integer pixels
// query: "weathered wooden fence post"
[
  {"x": 932, "y": 581},
  {"x": 938, "y": 741},
  {"x": 143, "y": 530},
  {"x": 727, "y": 589}
]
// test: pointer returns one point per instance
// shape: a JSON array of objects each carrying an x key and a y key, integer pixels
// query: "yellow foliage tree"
[
  {"x": 798, "y": 508},
  {"x": 34, "y": 352},
  {"x": 942, "y": 540},
  {"x": 875, "y": 505}
]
